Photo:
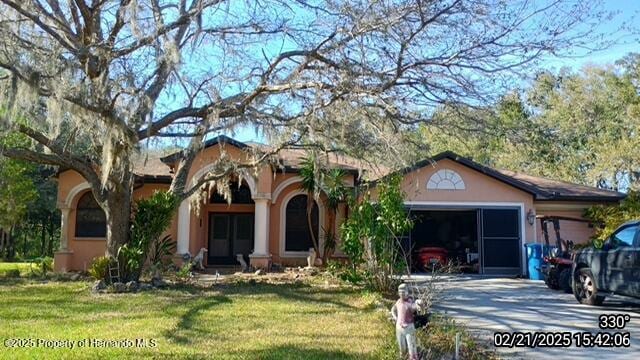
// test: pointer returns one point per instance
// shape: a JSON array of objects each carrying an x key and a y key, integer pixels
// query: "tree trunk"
[
  {"x": 43, "y": 238},
  {"x": 11, "y": 251},
  {"x": 316, "y": 245},
  {"x": 329, "y": 245},
  {"x": 51, "y": 238},
  {"x": 117, "y": 209},
  {"x": 24, "y": 240},
  {"x": 2, "y": 243}
]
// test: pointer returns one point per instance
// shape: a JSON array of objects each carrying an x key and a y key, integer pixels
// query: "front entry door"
[{"x": 229, "y": 235}]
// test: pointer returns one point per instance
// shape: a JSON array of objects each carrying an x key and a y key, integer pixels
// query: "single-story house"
[{"x": 485, "y": 214}]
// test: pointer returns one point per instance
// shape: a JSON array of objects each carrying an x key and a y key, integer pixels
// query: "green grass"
[
  {"x": 23, "y": 267},
  {"x": 233, "y": 321},
  {"x": 440, "y": 335}
]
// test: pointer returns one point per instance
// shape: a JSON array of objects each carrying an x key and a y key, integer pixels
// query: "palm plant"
[
  {"x": 314, "y": 180},
  {"x": 309, "y": 172},
  {"x": 335, "y": 190}
]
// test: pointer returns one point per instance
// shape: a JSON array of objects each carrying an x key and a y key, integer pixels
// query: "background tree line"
[
  {"x": 577, "y": 126},
  {"x": 29, "y": 219}
]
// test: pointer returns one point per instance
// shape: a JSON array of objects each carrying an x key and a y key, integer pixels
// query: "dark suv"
[{"x": 614, "y": 269}]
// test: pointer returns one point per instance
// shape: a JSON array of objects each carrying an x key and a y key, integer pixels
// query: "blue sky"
[{"x": 627, "y": 12}]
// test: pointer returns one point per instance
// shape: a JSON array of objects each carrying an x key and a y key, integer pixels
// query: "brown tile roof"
[
  {"x": 555, "y": 188},
  {"x": 542, "y": 189},
  {"x": 291, "y": 158},
  {"x": 150, "y": 165}
]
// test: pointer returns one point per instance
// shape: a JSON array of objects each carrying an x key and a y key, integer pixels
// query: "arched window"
[
  {"x": 297, "y": 237},
  {"x": 445, "y": 179},
  {"x": 90, "y": 219},
  {"x": 239, "y": 195}
]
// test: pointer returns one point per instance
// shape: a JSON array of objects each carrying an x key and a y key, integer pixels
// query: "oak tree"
[{"x": 115, "y": 75}]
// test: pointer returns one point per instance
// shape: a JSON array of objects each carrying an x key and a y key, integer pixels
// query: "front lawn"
[
  {"x": 231, "y": 321},
  {"x": 8, "y": 267}
]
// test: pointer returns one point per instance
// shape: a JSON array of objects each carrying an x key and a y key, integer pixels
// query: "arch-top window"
[
  {"x": 90, "y": 218},
  {"x": 239, "y": 195},
  {"x": 297, "y": 236},
  {"x": 445, "y": 179}
]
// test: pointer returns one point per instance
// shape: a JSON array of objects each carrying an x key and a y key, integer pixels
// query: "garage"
[
  {"x": 485, "y": 240},
  {"x": 480, "y": 217}
]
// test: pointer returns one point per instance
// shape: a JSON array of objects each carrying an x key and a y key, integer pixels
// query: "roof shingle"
[{"x": 542, "y": 189}]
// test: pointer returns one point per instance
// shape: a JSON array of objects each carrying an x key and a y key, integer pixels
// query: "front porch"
[{"x": 227, "y": 229}]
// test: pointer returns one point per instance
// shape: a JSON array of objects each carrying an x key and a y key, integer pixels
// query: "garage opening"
[
  {"x": 450, "y": 234},
  {"x": 483, "y": 240}
]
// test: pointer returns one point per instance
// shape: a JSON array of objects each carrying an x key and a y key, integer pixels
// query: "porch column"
[
  {"x": 64, "y": 228},
  {"x": 62, "y": 257},
  {"x": 260, "y": 257},
  {"x": 340, "y": 217},
  {"x": 184, "y": 222}
]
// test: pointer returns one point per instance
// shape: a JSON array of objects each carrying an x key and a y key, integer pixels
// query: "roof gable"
[
  {"x": 541, "y": 189},
  {"x": 220, "y": 139}
]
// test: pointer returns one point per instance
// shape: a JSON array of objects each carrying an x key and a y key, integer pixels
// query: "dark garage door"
[{"x": 501, "y": 241}]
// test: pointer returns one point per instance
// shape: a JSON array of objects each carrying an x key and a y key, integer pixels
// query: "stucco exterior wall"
[
  {"x": 577, "y": 232},
  {"x": 276, "y": 189},
  {"x": 82, "y": 251},
  {"x": 479, "y": 190}
]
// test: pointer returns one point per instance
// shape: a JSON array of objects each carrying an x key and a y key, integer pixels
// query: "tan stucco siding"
[
  {"x": 479, "y": 190},
  {"x": 84, "y": 250},
  {"x": 210, "y": 155},
  {"x": 577, "y": 232},
  {"x": 260, "y": 181}
]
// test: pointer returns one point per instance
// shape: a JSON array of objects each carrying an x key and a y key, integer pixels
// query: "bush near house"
[
  {"x": 371, "y": 238},
  {"x": 612, "y": 216},
  {"x": 152, "y": 218},
  {"x": 99, "y": 269},
  {"x": 14, "y": 269}
]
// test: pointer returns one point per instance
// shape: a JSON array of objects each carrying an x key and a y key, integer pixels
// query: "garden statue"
[
  {"x": 197, "y": 260},
  {"x": 403, "y": 315},
  {"x": 245, "y": 266},
  {"x": 311, "y": 259}
]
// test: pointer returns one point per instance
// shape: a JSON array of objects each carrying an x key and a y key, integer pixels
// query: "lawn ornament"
[
  {"x": 197, "y": 260},
  {"x": 312, "y": 258},
  {"x": 403, "y": 315},
  {"x": 245, "y": 266}
]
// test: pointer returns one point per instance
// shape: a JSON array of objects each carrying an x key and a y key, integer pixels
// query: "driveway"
[{"x": 488, "y": 305}]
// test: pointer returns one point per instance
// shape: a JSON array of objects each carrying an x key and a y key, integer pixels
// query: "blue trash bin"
[{"x": 534, "y": 261}]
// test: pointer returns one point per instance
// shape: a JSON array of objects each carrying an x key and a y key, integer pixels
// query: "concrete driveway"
[{"x": 488, "y": 305}]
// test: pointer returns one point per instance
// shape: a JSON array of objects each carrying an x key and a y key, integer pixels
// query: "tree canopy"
[
  {"x": 17, "y": 190},
  {"x": 88, "y": 81},
  {"x": 580, "y": 126}
]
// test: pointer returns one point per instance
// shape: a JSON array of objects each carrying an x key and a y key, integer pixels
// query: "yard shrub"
[
  {"x": 344, "y": 271},
  {"x": 12, "y": 273},
  {"x": 161, "y": 251},
  {"x": 612, "y": 216},
  {"x": 99, "y": 268},
  {"x": 371, "y": 237},
  {"x": 40, "y": 266},
  {"x": 185, "y": 271},
  {"x": 152, "y": 218}
]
